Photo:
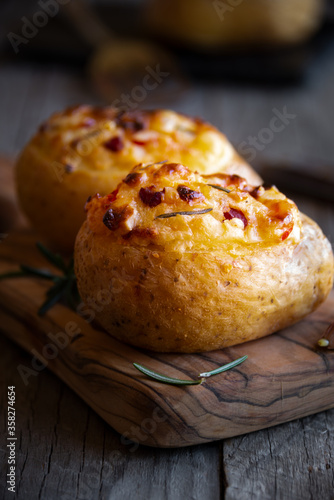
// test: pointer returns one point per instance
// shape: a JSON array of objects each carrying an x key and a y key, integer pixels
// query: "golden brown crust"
[
  {"x": 86, "y": 150},
  {"x": 237, "y": 214},
  {"x": 199, "y": 282}
]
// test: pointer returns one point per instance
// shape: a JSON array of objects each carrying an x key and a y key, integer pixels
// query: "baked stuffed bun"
[
  {"x": 87, "y": 150},
  {"x": 189, "y": 263}
]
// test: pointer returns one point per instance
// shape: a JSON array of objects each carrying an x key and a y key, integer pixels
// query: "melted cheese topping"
[
  {"x": 231, "y": 213},
  {"x": 109, "y": 141}
]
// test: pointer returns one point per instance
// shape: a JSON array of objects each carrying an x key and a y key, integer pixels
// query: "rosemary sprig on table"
[
  {"x": 201, "y": 377},
  {"x": 64, "y": 286},
  {"x": 191, "y": 212},
  {"x": 221, "y": 188}
]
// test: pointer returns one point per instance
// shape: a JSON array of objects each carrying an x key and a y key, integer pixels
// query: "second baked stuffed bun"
[
  {"x": 86, "y": 150},
  {"x": 188, "y": 263}
]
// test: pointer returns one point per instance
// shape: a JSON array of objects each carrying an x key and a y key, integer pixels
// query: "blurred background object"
[
  {"x": 229, "y": 61},
  {"x": 257, "y": 40},
  {"x": 78, "y": 33},
  {"x": 221, "y": 24},
  {"x": 117, "y": 63}
]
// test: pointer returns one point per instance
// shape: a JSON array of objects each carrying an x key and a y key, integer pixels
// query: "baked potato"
[
  {"x": 86, "y": 150},
  {"x": 190, "y": 263}
]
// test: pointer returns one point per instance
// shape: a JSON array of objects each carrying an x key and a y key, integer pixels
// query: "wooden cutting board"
[{"x": 285, "y": 376}]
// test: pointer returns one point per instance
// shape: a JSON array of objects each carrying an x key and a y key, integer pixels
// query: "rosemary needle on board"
[{"x": 176, "y": 381}]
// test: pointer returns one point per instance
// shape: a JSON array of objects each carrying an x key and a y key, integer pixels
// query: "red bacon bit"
[
  {"x": 112, "y": 219},
  {"x": 133, "y": 178},
  {"x": 112, "y": 196},
  {"x": 286, "y": 233},
  {"x": 236, "y": 214},
  {"x": 150, "y": 197},
  {"x": 89, "y": 199},
  {"x": 131, "y": 120},
  {"x": 139, "y": 143},
  {"x": 109, "y": 199},
  {"x": 187, "y": 194},
  {"x": 237, "y": 181},
  {"x": 145, "y": 232},
  {"x": 256, "y": 192},
  {"x": 228, "y": 181},
  {"x": 114, "y": 144}
]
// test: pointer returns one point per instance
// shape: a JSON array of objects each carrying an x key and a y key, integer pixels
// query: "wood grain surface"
[{"x": 284, "y": 378}]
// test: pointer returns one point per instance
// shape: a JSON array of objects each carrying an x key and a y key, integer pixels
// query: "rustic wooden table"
[{"x": 64, "y": 450}]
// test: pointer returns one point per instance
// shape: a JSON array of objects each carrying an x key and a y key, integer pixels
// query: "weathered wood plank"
[
  {"x": 65, "y": 451},
  {"x": 294, "y": 461}
]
